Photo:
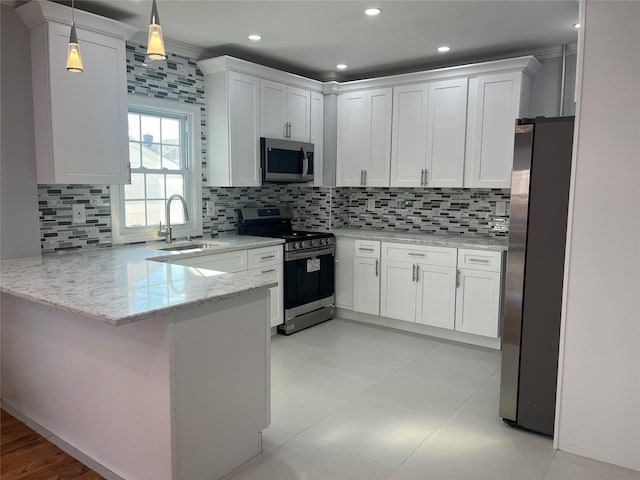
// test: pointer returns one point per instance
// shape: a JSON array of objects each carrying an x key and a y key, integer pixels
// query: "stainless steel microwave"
[{"x": 286, "y": 161}]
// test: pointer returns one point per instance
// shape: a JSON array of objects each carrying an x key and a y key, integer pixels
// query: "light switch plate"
[
  {"x": 78, "y": 214},
  {"x": 211, "y": 210}
]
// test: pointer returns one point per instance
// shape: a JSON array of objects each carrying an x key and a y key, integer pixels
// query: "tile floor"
[{"x": 352, "y": 402}]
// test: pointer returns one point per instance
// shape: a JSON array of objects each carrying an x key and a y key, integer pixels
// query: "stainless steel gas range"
[{"x": 309, "y": 270}]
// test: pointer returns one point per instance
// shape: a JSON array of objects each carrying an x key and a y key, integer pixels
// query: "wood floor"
[{"x": 26, "y": 455}]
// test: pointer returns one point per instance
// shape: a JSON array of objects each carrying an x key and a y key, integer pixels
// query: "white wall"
[
  {"x": 599, "y": 404},
  {"x": 19, "y": 226},
  {"x": 545, "y": 88}
]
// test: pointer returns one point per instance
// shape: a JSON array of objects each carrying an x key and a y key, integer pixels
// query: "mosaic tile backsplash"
[
  {"x": 437, "y": 210},
  {"x": 179, "y": 79}
]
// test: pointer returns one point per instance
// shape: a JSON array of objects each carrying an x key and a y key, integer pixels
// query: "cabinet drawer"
[
  {"x": 367, "y": 248},
  {"x": 231, "y": 262},
  {"x": 485, "y": 260},
  {"x": 442, "y": 256},
  {"x": 263, "y": 257}
]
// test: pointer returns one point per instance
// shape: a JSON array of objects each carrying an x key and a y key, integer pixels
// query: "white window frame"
[{"x": 122, "y": 234}]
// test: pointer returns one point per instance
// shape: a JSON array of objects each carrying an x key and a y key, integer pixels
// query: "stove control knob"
[
  {"x": 312, "y": 243},
  {"x": 324, "y": 241},
  {"x": 294, "y": 245}
]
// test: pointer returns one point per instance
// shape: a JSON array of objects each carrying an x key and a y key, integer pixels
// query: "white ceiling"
[{"x": 311, "y": 37}]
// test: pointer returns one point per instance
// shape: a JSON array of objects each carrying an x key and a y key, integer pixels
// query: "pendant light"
[
  {"x": 74, "y": 60},
  {"x": 155, "y": 44}
]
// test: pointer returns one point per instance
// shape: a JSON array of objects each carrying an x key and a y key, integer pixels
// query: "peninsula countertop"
[
  {"x": 123, "y": 284},
  {"x": 439, "y": 240}
]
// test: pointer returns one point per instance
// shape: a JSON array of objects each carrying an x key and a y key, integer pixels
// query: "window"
[{"x": 164, "y": 141}]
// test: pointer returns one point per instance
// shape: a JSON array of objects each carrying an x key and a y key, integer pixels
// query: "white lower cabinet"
[
  {"x": 459, "y": 290},
  {"x": 398, "y": 292},
  {"x": 366, "y": 288},
  {"x": 345, "y": 248},
  {"x": 274, "y": 274},
  {"x": 266, "y": 264},
  {"x": 479, "y": 292},
  {"x": 436, "y": 296}
]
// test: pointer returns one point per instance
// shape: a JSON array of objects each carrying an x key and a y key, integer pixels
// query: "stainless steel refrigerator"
[{"x": 535, "y": 269}]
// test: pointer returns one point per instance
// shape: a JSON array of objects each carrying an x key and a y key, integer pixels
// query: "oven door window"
[{"x": 307, "y": 280}]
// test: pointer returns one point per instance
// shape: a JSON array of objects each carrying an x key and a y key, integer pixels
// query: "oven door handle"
[
  {"x": 305, "y": 163},
  {"x": 289, "y": 256}
]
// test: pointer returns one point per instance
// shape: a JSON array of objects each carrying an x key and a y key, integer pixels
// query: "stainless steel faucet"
[{"x": 167, "y": 232}]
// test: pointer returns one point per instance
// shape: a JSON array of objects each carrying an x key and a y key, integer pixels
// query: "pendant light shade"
[
  {"x": 74, "y": 59},
  {"x": 155, "y": 43}
]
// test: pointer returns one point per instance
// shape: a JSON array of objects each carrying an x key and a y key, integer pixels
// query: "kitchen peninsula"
[{"x": 152, "y": 369}]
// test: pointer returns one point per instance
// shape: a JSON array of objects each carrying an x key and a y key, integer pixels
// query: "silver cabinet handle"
[
  {"x": 422, "y": 177},
  {"x": 365, "y": 177},
  {"x": 284, "y": 130},
  {"x": 377, "y": 267},
  {"x": 426, "y": 174},
  {"x": 366, "y": 249},
  {"x": 361, "y": 177},
  {"x": 417, "y": 273},
  {"x": 477, "y": 260},
  {"x": 289, "y": 132},
  {"x": 413, "y": 273},
  {"x": 457, "y": 278},
  {"x": 267, "y": 257},
  {"x": 413, "y": 254},
  {"x": 269, "y": 271}
]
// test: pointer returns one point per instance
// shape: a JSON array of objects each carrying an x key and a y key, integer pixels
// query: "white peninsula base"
[{"x": 179, "y": 396}]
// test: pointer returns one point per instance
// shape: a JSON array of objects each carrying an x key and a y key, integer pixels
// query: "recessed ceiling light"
[
  {"x": 341, "y": 66},
  {"x": 576, "y": 25},
  {"x": 372, "y": 12},
  {"x": 444, "y": 49},
  {"x": 255, "y": 37}
]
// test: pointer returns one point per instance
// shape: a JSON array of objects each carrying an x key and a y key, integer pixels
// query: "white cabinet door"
[
  {"x": 445, "y": 133},
  {"x": 377, "y": 153},
  {"x": 478, "y": 302},
  {"x": 317, "y": 136},
  {"x": 273, "y": 274},
  {"x": 80, "y": 119},
  {"x": 244, "y": 127},
  {"x": 299, "y": 114},
  {"x": 273, "y": 109},
  {"x": 366, "y": 285},
  {"x": 436, "y": 296},
  {"x": 344, "y": 272},
  {"x": 494, "y": 103},
  {"x": 398, "y": 290},
  {"x": 409, "y": 135},
  {"x": 352, "y": 113}
]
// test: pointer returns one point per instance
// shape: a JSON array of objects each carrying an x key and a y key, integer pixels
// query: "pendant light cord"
[{"x": 73, "y": 12}]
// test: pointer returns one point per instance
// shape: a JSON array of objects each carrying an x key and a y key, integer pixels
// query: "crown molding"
[
  {"x": 39, "y": 11},
  {"x": 225, "y": 63}
]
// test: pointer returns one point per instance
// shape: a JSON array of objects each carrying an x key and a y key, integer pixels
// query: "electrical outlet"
[
  {"x": 78, "y": 213},
  {"x": 211, "y": 210},
  {"x": 371, "y": 203},
  {"x": 501, "y": 208}
]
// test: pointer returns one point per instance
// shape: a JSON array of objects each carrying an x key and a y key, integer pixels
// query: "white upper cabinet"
[
  {"x": 81, "y": 126},
  {"x": 364, "y": 138},
  {"x": 317, "y": 137},
  {"x": 285, "y": 111},
  {"x": 351, "y": 138},
  {"x": 429, "y": 126},
  {"x": 494, "y": 105},
  {"x": 408, "y": 144},
  {"x": 446, "y": 130},
  {"x": 233, "y": 127}
]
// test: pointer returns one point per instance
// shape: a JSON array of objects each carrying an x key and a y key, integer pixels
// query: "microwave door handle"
[{"x": 305, "y": 163}]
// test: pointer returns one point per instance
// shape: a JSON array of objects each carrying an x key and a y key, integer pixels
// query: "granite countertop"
[
  {"x": 439, "y": 240},
  {"x": 120, "y": 285}
]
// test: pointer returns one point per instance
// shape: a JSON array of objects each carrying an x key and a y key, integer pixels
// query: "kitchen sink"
[{"x": 181, "y": 247}]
